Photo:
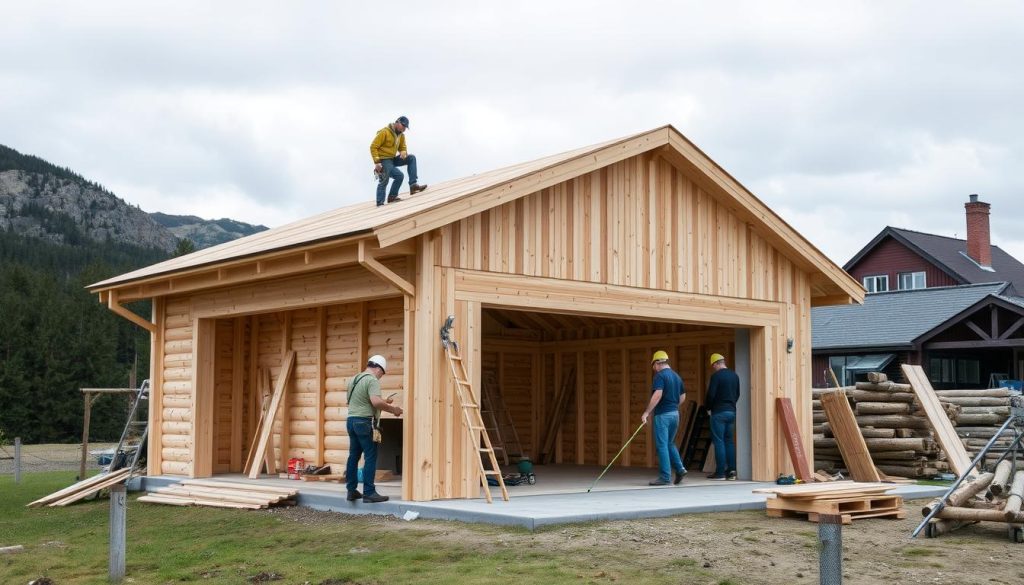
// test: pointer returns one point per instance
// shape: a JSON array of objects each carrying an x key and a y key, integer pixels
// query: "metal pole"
[
  {"x": 118, "y": 524},
  {"x": 963, "y": 476},
  {"x": 17, "y": 459},
  {"x": 830, "y": 554}
]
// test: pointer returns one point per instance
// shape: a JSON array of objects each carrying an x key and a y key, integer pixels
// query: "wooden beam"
[
  {"x": 951, "y": 444},
  {"x": 367, "y": 260},
  {"x": 797, "y": 453},
  {"x": 284, "y": 375},
  {"x": 1012, "y": 329},
  {"x": 848, "y": 437},
  {"x": 551, "y": 295},
  {"x": 115, "y": 306},
  {"x": 154, "y": 452},
  {"x": 285, "y": 434},
  {"x": 981, "y": 332},
  {"x": 203, "y": 397},
  {"x": 237, "y": 393}
]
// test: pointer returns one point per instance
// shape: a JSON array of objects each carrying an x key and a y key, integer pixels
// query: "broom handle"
[{"x": 616, "y": 456}]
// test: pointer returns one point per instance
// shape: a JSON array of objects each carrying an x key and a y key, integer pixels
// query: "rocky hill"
[
  {"x": 41, "y": 200},
  {"x": 206, "y": 232}
]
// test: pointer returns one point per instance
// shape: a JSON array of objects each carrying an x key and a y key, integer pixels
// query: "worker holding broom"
[{"x": 666, "y": 393}]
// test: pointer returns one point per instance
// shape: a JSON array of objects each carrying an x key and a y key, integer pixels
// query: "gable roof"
[
  {"x": 454, "y": 200},
  {"x": 950, "y": 256},
  {"x": 894, "y": 319}
]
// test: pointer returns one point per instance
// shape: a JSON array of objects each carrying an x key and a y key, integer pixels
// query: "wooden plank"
[
  {"x": 284, "y": 435},
  {"x": 154, "y": 457},
  {"x": 945, "y": 434},
  {"x": 203, "y": 397},
  {"x": 109, "y": 480},
  {"x": 243, "y": 486},
  {"x": 181, "y": 501},
  {"x": 275, "y": 403},
  {"x": 797, "y": 454},
  {"x": 76, "y": 487},
  {"x": 321, "y": 382},
  {"x": 850, "y": 441}
]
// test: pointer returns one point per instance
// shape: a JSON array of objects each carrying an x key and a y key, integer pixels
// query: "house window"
[
  {"x": 954, "y": 371},
  {"x": 878, "y": 283},
  {"x": 912, "y": 280}
]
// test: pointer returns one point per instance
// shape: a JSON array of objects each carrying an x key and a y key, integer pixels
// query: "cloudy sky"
[{"x": 843, "y": 117}]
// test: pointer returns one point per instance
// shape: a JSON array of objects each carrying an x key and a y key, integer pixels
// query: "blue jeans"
[
  {"x": 723, "y": 427},
  {"x": 665, "y": 427},
  {"x": 360, "y": 444},
  {"x": 396, "y": 176}
]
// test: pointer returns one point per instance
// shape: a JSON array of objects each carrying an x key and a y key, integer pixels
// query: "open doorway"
[{"x": 574, "y": 388}]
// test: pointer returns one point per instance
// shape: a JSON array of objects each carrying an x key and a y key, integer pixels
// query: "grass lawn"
[{"x": 174, "y": 545}]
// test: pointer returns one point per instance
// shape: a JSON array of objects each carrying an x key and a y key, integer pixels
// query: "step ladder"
[
  {"x": 471, "y": 412},
  {"x": 695, "y": 453},
  {"x": 136, "y": 430},
  {"x": 498, "y": 420}
]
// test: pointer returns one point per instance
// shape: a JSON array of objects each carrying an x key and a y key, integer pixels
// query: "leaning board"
[
  {"x": 944, "y": 431},
  {"x": 848, "y": 438}
]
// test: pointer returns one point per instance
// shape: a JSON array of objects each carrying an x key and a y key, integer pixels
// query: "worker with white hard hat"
[{"x": 364, "y": 405}]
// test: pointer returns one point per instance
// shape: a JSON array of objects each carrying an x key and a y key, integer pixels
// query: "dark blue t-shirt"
[{"x": 671, "y": 386}]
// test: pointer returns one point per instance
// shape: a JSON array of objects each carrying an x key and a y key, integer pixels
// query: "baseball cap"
[{"x": 403, "y": 121}]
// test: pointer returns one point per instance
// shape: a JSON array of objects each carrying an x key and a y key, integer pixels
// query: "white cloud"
[{"x": 844, "y": 117}]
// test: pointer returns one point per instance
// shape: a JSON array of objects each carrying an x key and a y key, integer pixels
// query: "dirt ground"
[
  {"x": 735, "y": 547},
  {"x": 747, "y": 547}
]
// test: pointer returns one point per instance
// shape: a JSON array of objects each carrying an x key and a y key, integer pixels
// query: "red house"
[
  {"x": 899, "y": 259},
  {"x": 952, "y": 306}
]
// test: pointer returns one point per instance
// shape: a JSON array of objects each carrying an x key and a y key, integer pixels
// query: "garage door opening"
[{"x": 573, "y": 389}]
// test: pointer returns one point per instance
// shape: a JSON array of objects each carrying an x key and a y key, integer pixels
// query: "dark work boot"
[
  {"x": 416, "y": 188},
  {"x": 677, "y": 476},
  {"x": 374, "y": 498},
  {"x": 353, "y": 496}
]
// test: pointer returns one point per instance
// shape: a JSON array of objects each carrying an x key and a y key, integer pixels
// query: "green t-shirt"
[{"x": 359, "y": 391}]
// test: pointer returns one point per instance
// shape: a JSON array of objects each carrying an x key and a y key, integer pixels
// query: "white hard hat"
[{"x": 378, "y": 360}]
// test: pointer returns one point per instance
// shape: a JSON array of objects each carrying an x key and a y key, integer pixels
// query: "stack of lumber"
[
  {"x": 221, "y": 494},
  {"x": 81, "y": 490},
  {"x": 896, "y": 430},
  {"x": 983, "y": 412},
  {"x": 991, "y": 497},
  {"x": 848, "y": 499}
]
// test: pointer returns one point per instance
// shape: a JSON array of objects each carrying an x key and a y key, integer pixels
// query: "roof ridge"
[{"x": 939, "y": 288}]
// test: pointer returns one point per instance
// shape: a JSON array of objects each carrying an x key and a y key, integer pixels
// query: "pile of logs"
[
  {"x": 897, "y": 432},
  {"x": 983, "y": 412},
  {"x": 895, "y": 429},
  {"x": 992, "y": 497}
]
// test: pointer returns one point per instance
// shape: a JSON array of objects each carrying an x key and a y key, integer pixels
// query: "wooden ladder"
[
  {"x": 471, "y": 413},
  {"x": 499, "y": 421}
]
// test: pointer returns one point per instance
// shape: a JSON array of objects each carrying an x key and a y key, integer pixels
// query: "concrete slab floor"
[{"x": 559, "y": 497}]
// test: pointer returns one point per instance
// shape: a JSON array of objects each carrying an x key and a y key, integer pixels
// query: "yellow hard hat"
[
  {"x": 659, "y": 356},
  {"x": 716, "y": 357}
]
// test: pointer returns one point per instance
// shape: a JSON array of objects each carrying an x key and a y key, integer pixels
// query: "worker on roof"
[
  {"x": 723, "y": 392},
  {"x": 666, "y": 393},
  {"x": 388, "y": 151}
]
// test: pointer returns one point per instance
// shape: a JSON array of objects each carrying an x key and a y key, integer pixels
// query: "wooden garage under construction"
[{"x": 571, "y": 269}]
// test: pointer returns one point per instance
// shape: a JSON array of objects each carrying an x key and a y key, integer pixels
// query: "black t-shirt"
[{"x": 723, "y": 391}]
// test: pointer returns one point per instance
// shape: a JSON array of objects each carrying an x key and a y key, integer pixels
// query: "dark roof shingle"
[{"x": 893, "y": 319}]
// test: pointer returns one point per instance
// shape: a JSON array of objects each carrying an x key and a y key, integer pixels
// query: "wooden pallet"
[
  {"x": 854, "y": 505},
  {"x": 895, "y": 514}
]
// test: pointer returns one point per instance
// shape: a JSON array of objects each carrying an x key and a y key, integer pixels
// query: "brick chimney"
[{"x": 979, "y": 245}]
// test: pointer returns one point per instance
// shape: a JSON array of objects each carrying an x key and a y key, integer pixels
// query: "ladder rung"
[
  {"x": 491, "y": 473},
  {"x": 477, "y": 428},
  {"x": 470, "y": 406},
  {"x": 462, "y": 382},
  {"x": 455, "y": 357}
]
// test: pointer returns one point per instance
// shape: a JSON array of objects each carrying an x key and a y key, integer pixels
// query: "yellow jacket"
[{"x": 387, "y": 144}]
